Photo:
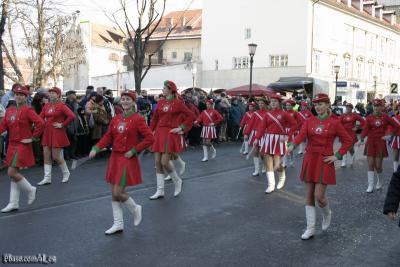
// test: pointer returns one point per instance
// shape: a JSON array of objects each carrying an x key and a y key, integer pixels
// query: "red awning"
[{"x": 256, "y": 90}]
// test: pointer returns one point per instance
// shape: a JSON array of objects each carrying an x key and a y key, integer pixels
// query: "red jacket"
[
  {"x": 255, "y": 121},
  {"x": 376, "y": 125},
  {"x": 349, "y": 121},
  {"x": 18, "y": 123},
  {"x": 169, "y": 114},
  {"x": 209, "y": 117},
  {"x": 126, "y": 133},
  {"x": 246, "y": 118},
  {"x": 274, "y": 123},
  {"x": 397, "y": 120},
  {"x": 295, "y": 115},
  {"x": 321, "y": 134},
  {"x": 305, "y": 115}
]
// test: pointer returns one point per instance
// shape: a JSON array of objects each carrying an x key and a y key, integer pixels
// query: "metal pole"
[
  {"x": 375, "y": 88},
  {"x": 336, "y": 87},
  {"x": 251, "y": 77}
]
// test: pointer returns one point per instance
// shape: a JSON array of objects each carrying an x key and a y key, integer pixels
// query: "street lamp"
[
  {"x": 194, "y": 71},
  {"x": 375, "y": 79},
  {"x": 336, "y": 68},
  {"x": 252, "y": 51}
]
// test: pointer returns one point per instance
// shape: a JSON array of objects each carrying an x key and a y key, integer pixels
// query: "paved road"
[{"x": 222, "y": 218}]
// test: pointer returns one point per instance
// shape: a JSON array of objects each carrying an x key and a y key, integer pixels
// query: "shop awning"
[{"x": 291, "y": 83}]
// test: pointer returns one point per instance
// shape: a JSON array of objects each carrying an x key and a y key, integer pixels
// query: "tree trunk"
[
  {"x": 4, "y": 9},
  {"x": 41, "y": 27}
]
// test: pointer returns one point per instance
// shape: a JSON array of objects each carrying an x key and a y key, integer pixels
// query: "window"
[
  {"x": 317, "y": 62},
  {"x": 346, "y": 67},
  {"x": 216, "y": 64},
  {"x": 174, "y": 55},
  {"x": 333, "y": 64},
  {"x": 277, "y": 61},
  {"x": 187, "y": 57},
  {"x": 359, "y": 68},
  {"x": 370, "y": 71},
  {"x": 381, "y": 72},
  {"x": 247, "y": 33},
  {"x": 240, "y": 62}
]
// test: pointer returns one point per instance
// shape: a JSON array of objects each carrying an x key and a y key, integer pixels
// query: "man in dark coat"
[{"x": 393, "y": 196}]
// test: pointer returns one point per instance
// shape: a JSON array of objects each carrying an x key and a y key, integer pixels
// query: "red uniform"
[
  {"x": 304, "y": 115},
  {"x": 253, "y": 124},
  {"x": 209, "y": 118},
  {"x": 52, "y": 113},
  {"x": 395, "y": 144},
  {"x": 295, "y": 115},
  {"x": 168, "y": 115},
  {"x": 125, "y": 133},
  {"x": 320, "y": 135},
  {"x": 349, "y": 123},
  {"x": 273, "y": 130},
  {"x": 18, "y": 123},
  {"x": 375, "y": 127},
  {"x": 246, "y": 119}
]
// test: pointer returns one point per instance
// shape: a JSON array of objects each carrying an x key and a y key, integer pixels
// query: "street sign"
[
  {"x": 341, "y": 84},
  {"x": 394, "y": 88}
]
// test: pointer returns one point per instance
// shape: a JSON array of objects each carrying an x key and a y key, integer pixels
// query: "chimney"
[
  {"x": 349, "y": 3},
  {"x": 367, "y": 6},
  {"x": 387, "y": 15},
  {"x": 184, "y": 22},
  {"x": 376, "y": 11}
]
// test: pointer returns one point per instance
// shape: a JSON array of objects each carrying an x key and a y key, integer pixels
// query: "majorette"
[
  {"x": 244, "y": 124},
  {"x": 318, "y": 170}
]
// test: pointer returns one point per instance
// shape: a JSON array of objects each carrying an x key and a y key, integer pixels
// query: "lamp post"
[
  {"x": 375, "y": 80},
  {"x": 336, "y": 69},
  {"x": 194, "y": 71},
  {"x": 252, "y": 51}
]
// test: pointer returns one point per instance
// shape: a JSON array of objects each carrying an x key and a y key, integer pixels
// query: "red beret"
[
  {"x": 321, "y": 98},
  {"x": 171, "y": 85},
  {"x": 378, "y": 102},
  {"x": 210, "y": 101},
  {"x": 252, "y": 104},
  {"x": 21, "y": 90},
  {"x": 130, "y": 93},
  {"x": 290, "y": 102},
  {"x": 56, "y": 90},
  {"x": 304, "y": 104},
  {"x": 275, "y": 96}
]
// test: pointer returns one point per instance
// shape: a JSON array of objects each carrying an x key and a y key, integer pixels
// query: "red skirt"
[
  {"x": 395, "y": 144},
  {"x": 252, "y": 137},
  {"x": 273, "y": 144},
  {"x": 123, "y": 171},
  {"x": 53, "y": 137},
  {"x": 166, "y": 142},
  {"x": 292, "y": 136},
  {"x": 208, "y": 132},
  {"x": 315, "y": 170},
  {"x": 352, "y": 135},
  {"x": 376, "y": 147},
  {"x": 20, "y": 155}
]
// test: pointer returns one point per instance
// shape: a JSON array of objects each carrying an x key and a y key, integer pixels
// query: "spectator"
[
  {"x": 117, "y": 105},
  {"x": 89, "y": 91},
  {"x": 38, "y": 102},
  {"x": 393, "y": 197},
  {"x": 100, "y": 118},
  {"x": 235, "y": 116},
  {"x": 72, "y": 128},
  {"x": 9, "y": 97},
  {"x": 223, "y": 107},
  {"x": 83, "y": 143}
]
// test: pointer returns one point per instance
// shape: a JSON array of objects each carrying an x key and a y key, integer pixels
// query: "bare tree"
[
  {"x": 4, "y": 15},
  {"x": 139, "y": 34}
]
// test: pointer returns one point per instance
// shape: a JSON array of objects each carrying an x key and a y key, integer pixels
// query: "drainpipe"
[{"x": 312, "y": 34}]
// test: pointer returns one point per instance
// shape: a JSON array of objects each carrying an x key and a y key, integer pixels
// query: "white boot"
[
  {"x": 180, "y": 165},
  {"x": 205, "y": 152},
  {"x": 301, "y": 148},
  {"x": 13, "y": 204},
  {"x": 65, "y": 172},
  {"x": 271, "y": 182},
  {"x": 263, "y": 169},
  {"x": 326, "y": 217},
  {"x": 213, "y": 152},
  {"x": 395, "y": 166},
  {"x": 343, "y": 165},
  {"x": 47, "y": 175},
  {"x": 282, "y": 178},
  {"x": 178, "y": 183},
  {"x": 351, "y": 159},
  {"x": 246, "y": 148},
  {"x": 285, "y": 161},
  {"x": 378, "y": 182},
  {"x": 256, "y": 161},
  {"x": 135, "y": 209},
  {"x": 25, "y": 186},
  {"x": 167, "y": 178},
  {"x": 160, "y": 187},
  {"x": 310, "y": 216},
  {"x": 118, "y": 225},
  {"x": 370, "y": 182}
]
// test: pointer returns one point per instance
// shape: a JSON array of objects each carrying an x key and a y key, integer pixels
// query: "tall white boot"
[
  {"x": 177, "y": 182},
  {"x": 246, "y": 148},
  {"x": 47, "y": 175},
  {"x": 135, "y": 209},
  {"x": 343, "y": 165},
  {"x": 25, "y": 186},
  {"x": 351, "y": 158},
  {"x": 168, "y": 178},
  {"x": 311, "y": 218},
  {"x": 205, "y": 152},
  {"x": 256, "y": 161},
  {"x": 378, "y": 182},
  {"x": 213, "y": 152},
  {"x": 282, "y": 178},
  {"x": 370, "y": 182},
  {"x": 118, "y": 225},
  {"x": 180, "y": 165},
  {"x": 160, "y": 187},
  {"x": 301, "y": 148},
  {"x": 13, "y": 204},
  {"x": 395, "y": 166},
  {"x": 263, "y": 169},
  {"x": 65, "y": 172},
  {"x": 326, "y": 217},
  {"x": 271, "y": 182}
]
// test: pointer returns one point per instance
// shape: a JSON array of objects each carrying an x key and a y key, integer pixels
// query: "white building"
[
  {"x": 302, "y": 38},
  {"x": 105, "y": 52}
]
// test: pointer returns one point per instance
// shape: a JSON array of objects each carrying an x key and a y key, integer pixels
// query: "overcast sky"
[{"x": 93, "y": 10}]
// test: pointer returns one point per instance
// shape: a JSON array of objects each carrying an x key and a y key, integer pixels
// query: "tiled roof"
[
  {"x": 106, "y": 36},
  {"x": 187, "y": 24}
]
